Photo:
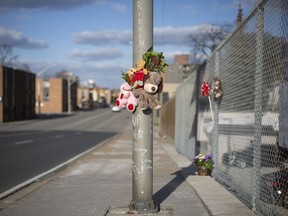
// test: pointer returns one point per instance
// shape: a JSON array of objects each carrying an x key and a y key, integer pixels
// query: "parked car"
[
  {"x": 277, "y": 185},
  {"x": 273, "y": 185},
  {"x": 271, "y": 156},
  {"x": 116, "y": 109}
]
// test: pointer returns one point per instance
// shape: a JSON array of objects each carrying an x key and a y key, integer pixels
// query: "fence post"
[
  {"x": 283, "y": 108},
  {"x": 258, "y": 103},
  {"x": 142, "y": 122},
  {"x": 216, "y": 119}
]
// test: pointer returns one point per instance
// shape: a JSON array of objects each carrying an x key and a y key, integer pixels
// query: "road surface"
[{"x": 29, "y": 148}]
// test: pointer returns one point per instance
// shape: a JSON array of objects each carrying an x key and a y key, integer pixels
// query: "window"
[{"x": 46, "y": 87}]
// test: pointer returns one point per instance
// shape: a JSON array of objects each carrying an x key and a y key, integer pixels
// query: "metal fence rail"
[{"x": 246, "y": 135}]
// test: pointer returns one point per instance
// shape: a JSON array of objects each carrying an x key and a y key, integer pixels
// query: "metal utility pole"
[
  {"x": 258, "y": 102},
  {"x": 38, "y": 96},
  {"x": 142, "y": 122},
  {"x": 69, "y": 94}
]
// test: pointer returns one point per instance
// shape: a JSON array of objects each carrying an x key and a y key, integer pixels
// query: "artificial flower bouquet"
[{"x": 204, "y": 163}]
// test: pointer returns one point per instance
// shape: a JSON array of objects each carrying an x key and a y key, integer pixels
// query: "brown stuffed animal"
[{"x": 147, "y": 96}]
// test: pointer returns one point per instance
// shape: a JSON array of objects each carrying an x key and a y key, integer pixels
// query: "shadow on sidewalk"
[{"x": 180, "y": 176}]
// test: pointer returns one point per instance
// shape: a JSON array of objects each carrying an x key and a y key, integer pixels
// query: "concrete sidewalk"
[{"x": 100, "y": 183}]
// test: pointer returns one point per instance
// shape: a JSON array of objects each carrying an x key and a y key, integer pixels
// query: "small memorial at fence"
[{"x": 204, "y": 164}]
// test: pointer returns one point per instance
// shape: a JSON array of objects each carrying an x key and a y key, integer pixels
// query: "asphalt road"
[{"x": 29, "y": 148}]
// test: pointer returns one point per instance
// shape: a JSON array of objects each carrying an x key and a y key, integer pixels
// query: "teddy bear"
[
  {"x": 147, "y": 96},
  {"x": 126, "y": 98},
  {"x": 216, "y": 89}
]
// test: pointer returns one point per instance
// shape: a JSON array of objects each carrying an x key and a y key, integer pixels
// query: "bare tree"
[
  {"x": 6, "y": 55},
  {"x": 206, "y": 40},
  {"x": 25, "y": 67},
  {"x": 67, "y": 75}
]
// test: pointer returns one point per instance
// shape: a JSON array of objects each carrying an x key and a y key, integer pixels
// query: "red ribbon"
[{"x": 205, "y": 88}]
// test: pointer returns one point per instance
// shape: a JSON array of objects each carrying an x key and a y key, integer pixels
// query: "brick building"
[
  {"x": 179, "y": 70},
  {"x": 181, "y": 59},
  {"x": 17, "y": 94},
  {"x": 85, "y": 98},
  {"x": 53, "y": 95},
  {"x": 93, "y": 97}
]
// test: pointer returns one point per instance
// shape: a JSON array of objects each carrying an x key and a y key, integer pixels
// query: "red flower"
[
  {"x": 205, "y": 88},
  {"x": 138, "y": 79}
]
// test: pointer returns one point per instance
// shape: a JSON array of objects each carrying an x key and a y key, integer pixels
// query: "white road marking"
[
  {"x": 22, "y": 134},
  {"x": 24, "y": 142},
  {"x": 59, "y": 136}
]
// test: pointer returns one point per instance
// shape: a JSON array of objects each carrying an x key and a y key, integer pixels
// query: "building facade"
[
  {"x": 17, "y": 94},
  {"x": 93, "y": 97},
  {"x": 88, "y": 97},
  {"x": 180, "y": 69},
  {"x": 55, "y": 95}
]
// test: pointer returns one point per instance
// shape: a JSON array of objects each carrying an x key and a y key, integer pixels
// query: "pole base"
[
  {"x": 142, "y": 207},
  {"x": 121, "y": 211}
]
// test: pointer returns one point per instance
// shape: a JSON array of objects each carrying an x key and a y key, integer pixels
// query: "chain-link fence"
[
  {"x": 247, "y": 132},
  {"x": 167, "y": 122}
]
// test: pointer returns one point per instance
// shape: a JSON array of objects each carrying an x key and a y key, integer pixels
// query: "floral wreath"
[{"x": 214, "y": 90}]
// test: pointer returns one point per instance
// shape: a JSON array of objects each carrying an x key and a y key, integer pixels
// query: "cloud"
[
  {"x": 162, "y": 35},
  {"x": 119, "y": 7},
  {"x": 105, "y": 74},
  {"x": 188, "y": 9},
  {"x": 174, "y": 35},
  {"x": 45, "y": 4},
  {"x": 16, "y": 39},
  {"x": 108, "y": 37},
  {"x": 97, "y": 54}
]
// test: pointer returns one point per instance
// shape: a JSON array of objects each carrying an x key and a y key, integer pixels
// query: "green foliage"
[
  {"x": 123, "y": 76},
  {"x": 154, "y": 61}
]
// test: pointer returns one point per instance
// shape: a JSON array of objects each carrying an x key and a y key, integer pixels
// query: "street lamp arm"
[
  {"x": 44, "y": 69},
  {"x": 38, "y": 87}
]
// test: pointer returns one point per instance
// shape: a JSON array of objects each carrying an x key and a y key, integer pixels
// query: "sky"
[{"x": 93, "y": 38}]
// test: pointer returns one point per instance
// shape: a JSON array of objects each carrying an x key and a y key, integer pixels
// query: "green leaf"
[
  {"x": 150, "y": 49},
  {"x": 123, "y": 76}
]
